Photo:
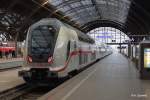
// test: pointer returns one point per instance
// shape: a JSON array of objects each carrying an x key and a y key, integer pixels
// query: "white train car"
[{"x": 54, "y": 49}]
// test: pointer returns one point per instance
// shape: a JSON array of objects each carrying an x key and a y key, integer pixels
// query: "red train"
[{"x": 7, "y": 48}]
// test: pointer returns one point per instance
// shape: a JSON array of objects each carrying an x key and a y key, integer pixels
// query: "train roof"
[
  {"x": 48, "y": 21},
  {"x": 81, "y": 35},
  {"x": 57, "y": 24}
]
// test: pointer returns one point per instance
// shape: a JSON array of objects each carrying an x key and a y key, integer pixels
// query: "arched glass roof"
[
  {"x": 84, "y": 11},
  {"x": 130, "y": 16}
]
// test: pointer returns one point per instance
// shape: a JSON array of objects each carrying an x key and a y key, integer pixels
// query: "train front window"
[{"x": 42, "y": 40}]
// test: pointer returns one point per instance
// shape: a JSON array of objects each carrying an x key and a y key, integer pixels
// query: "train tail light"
[
  {"x": 50, "y": 60},
  {"x": 30, "y": 59}
]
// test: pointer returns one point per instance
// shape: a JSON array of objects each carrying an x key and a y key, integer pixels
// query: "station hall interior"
[{"x": 74, "y": 50}]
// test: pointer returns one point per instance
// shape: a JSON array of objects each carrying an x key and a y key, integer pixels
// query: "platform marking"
[{"x": 78, "y": 85}]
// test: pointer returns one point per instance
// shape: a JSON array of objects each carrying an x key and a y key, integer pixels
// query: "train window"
[
  {"x": 75, "y": 45},
  {"x": 86, "y": 58},
  {"x": 68, "y": 50},
  {"x": 83, "y": 58},
  {"x": 80, "y": 58},
  {"x": 93, "y": 56},
  {"x": 99, "y": 49},
  {"x": 42, "y": 40},
  {"x": 89, "y": 48}
]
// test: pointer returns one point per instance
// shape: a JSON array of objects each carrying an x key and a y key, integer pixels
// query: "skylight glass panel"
[
  {"x": 65, "y": 8},
  {"x": 86, "y": 2},
  {"x": 101, "y": 1},
  {"x": 55, "y": 2},
  {"x": 115, "y": 10},
  {"x": 74, "y": 5}
]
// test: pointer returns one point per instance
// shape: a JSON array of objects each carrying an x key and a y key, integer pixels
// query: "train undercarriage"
[{"x": 39, "y": 76}]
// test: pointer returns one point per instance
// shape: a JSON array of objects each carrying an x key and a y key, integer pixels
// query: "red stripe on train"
[{"x": 73, "y": 53}]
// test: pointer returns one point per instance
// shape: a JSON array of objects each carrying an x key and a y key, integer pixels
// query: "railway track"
[
  {"x": 27, "y": 92},
  {"x": 38, "y": 91},
  {"x": 30, "y": 92},
  {"x": 34, "y": 94},
  {"x": 15, "y": 92}
]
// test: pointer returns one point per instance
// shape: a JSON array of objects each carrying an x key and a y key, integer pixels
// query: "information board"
[{"x": 146, "y": 57}]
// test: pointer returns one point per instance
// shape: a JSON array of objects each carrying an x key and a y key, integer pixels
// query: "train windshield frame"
[{"x": 43, "y": 40}]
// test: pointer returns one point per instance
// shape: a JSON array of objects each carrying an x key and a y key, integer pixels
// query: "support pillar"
[
  {"x": 120, "y": 47},
  {"x": 129, "y": 50},
  {"x": 16, "y": 46}
]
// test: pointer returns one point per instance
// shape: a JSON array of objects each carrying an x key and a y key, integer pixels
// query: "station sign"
[{"x": 104, "y": 36}]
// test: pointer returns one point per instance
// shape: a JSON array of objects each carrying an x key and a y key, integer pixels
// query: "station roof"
[
  {"x": 85, "y": 11},
  {"x": 130, "y": 16}
]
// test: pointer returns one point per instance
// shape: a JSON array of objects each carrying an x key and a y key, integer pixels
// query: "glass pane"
[{"x": 108, "y": 35}]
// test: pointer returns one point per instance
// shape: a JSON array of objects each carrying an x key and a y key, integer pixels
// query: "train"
[
  {"x": 7, "y": 48},
  {"x": 54, "y": 49}
]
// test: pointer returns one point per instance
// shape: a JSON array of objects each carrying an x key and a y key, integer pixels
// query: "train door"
[{"x": 68, "y": 51}]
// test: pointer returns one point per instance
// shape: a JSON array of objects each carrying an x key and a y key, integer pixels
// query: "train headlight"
[
  {"x": 30, "y": 59},
  {"x": 50, "y": 60}
]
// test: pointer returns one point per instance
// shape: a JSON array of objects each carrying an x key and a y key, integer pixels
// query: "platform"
[
  {"x": 112, "y": 78},
  {"x": 10, "y": 63},
  {"x": 9, "y": 79}
]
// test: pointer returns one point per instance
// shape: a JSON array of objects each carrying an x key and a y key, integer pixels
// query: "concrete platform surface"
[
  {"x": 10, "y": 63},
  {"x": 4, "y": 60},
  {"x": 112, "y": 78},
  {"x": 9, "y": 79}
]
